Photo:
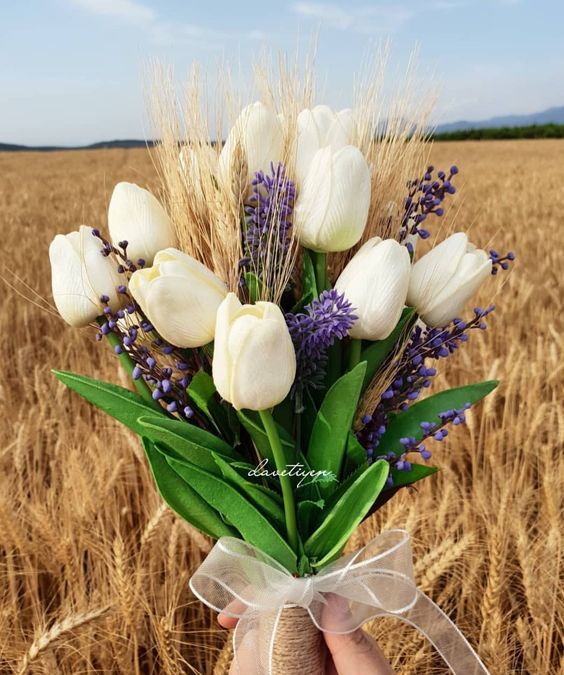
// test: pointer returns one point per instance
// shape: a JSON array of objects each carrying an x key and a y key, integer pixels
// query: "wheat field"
[{"x": 94, "y": 569}]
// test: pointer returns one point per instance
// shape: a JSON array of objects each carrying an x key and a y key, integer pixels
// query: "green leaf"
[
  {"x": 250, "y": 419},
  {"x": 187, "y": 441},
  {"x": 342, "y": 519},
  {"x": 376, "y": 352},
  {"x": 182, "y": 499},
  {"x": 344, "y": 486},
  {"x": 355, "y": 455},
  {"x": 309, "y": 283},
  {"x": 121, "y": 404},
  {"x": 202, "y": 392},
  {"x": 333, "y": 423},
  {"x": 408, "y": 423},
  {"x": 308, "y": 513},
  {"x": 241, "y": 513},
  {"x": 417, "y": 472},
  {"x": 254, "y": 286},
  {"x": 267, "y": 501}
]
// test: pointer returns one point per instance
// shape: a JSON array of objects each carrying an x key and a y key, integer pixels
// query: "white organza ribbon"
[{"x": 377, "y": 580}]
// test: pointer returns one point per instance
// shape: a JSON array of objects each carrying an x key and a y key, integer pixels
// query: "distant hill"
[
  {"x": 531, "y": 124},
  {"x": 102, "y": 145},
  {"x": 550, "y": 116}
]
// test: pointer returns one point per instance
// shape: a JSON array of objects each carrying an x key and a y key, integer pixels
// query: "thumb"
[{"x": 356, "y": 653}]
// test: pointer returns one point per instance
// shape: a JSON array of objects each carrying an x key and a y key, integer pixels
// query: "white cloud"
[
  {"x": 161, "y": 31},
  {"x": 129, "y": 10},
  {"x": 385, "y": 16}
]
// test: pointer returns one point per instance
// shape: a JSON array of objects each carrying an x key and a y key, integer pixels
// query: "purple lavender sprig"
[
  {"x": 268, "y": 220},
  {"x": 120, "y": 251},
  {"x": 414, "y": 374},
  {"x": 165, "y": 368},
  {"x": 162, "y": 366},
  {"x": 430, "y": 431},
  {"x": 425, "y": 197},
  {"x": 313, "y": 331},
  {"x": 501, "y": 262}
]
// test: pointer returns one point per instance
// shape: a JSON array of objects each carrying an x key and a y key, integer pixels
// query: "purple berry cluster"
[
  {"x": 120, "y": 251},
  {"x": 162, "y": 366},
  {"x": 425, "y": 197},
  {"x": 501, "y": 262},
  {"x": 413, "y": 375}
]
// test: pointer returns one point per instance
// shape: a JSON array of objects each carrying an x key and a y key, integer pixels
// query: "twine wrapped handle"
[{"x": 377, "y": 580}]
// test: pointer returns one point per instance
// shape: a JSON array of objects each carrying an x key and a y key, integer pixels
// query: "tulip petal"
[
  {"x": 257, "y": 133},
  {"x": 72, "y": 300},
  {"x": 451, "y": 301},
  {"x": 135, "y": 215},
  {"x": 264, "y": 370},
  {"x": 332, "y": 207},
  {"x": 375, "y": 282},
  {"x": 183, "y": 317},
  {"x": 433, "y": 271},
  {"x": 221, "y": 369}
]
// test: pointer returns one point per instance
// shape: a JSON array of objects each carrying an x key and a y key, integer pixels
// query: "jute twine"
[{"x": 299, "y": 648}]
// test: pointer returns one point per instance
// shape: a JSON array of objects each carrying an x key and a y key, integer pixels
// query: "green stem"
[
  {"x": 320, "y": 270},
  {"x": 128, "y": 366},
  {"x": 285, "y": 482},
  {"x": 355, "y": 349}
]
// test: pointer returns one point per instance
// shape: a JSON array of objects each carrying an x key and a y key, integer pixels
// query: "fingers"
[
  {"x": 356, "y": 653},
  {"x": 235, "y": 607}
]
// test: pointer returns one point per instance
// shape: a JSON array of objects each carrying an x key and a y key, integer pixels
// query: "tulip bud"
[
  {"x": 80, "y": 275},
  {"x": 443, "y": 280},
  {"x": 257, "y": 136},
  {"x": 375, "y": 282},
  {"x": 331, "y": 209},
  {"x": 254, "y": 362},
  {"x": 318, "y": 128},
  {"x": 180, "y": 297},
  {"x": 136, "y": 216}
]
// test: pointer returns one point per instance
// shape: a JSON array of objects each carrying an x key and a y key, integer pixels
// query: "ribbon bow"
[{"x": 241, "y": 581}]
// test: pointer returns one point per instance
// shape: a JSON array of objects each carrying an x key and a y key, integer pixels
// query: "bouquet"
[{"x": 281, "y": 343}]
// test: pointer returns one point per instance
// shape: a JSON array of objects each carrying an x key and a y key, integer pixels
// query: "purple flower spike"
[
  {"x": 268, "y": 218},
  {"x": 313, "y": 331}
]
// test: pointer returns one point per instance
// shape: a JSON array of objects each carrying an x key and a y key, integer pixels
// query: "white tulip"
[
  {"x": 443, "y": 280},
  {"x": 254, "y": 362},
  {"x": 375, "y": 282},
  {"x": 180, "y": 297},
  {"x": 332, "y": 205},
  {"x": 80, "y": 275},
  {"x": 318, "y": 128},
  {"x": 136, "y": 216},
  {"x": 256, "y": 138}
]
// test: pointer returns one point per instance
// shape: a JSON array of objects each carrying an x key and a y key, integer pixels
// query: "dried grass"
[{"x": 82, "y": 528}]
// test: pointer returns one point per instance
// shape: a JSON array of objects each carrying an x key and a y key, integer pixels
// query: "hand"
[{"x": 350, "y": 654}]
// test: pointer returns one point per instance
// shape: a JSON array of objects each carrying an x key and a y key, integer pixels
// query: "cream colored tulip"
[
  {"x": 254, "y": 362},
  {"x": 318, "y": 128},
  {"x": 332, "y": 205},
  {"x": 443, "y": 280},
  {"x": 256, "y": 138},
  {"x": 136, "y": 216},
  {"x": 80, "y": 275},
  {"x": 375, "y": 282},
  {"x": 180, "y": 297}
]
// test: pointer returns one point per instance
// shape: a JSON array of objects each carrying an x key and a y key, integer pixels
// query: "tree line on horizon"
[{"x": 502, "y": 133}]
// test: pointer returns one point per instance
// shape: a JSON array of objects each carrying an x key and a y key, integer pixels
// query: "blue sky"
[{"x": 71, "y": 71}]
